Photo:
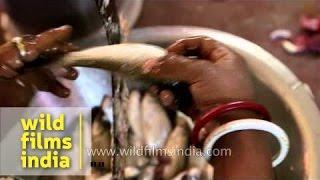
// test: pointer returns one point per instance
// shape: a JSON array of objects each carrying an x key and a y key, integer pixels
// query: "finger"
[
  {"x": 51, "y": 37},
  {"x": 68, "y": 47},
  {"x": 71, "y": 74},
  {"x": 68, "y": 73},
  {"x": 203, "y": 47},
  {"x": 174, "y": 67},
  {"x": 154, "y": 90},
  {"x": 167, "y": 99},
  {"x": 60, "y": 49},
  {"x": 38, "y": 44},
  {"x": 182, "y": 46},
  {"x": 166, "y": 96},
  {"x": 59, "y": 89},
  {"x": 44, "y": 80}
]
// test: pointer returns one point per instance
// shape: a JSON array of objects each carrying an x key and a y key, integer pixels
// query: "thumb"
[{"x": 173, "y": 67}]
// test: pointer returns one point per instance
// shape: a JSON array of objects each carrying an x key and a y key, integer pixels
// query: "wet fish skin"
[
  {"x": 156, "y": 124},
  {"x": 178, "y": 139},
  {"x": 189, "y": 174},
  {"x": 134, "y": 113},
  {"x": 101, "y": 139}
]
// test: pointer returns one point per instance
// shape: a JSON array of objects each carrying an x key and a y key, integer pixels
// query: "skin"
[
  {"x": 21, "y": 76},
  {"x": 217, "y": 75}
]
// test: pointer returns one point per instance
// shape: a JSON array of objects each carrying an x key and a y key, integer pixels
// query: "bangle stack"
[{"x": 240, "y": 125}]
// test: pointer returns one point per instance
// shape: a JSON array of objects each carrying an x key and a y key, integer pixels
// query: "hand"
[
  {"x": 215, "y": 74},
  {"x": 21, "y": 73}
]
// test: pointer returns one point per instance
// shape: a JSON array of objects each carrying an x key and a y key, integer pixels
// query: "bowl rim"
[{"x": 296, "y": 95}]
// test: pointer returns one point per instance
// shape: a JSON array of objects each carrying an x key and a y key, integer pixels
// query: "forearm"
[{"x": 250, "y": 153}]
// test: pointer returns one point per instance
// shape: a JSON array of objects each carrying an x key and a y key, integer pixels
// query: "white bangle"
[{"x": 249, "y": 124}]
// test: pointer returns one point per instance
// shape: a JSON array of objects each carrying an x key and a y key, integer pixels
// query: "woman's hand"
[
  {"x": 215, "y": 74},
  {"x": 22, "y": 66}
]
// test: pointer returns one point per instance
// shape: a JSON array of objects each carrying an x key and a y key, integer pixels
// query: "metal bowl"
[{"x": 290, "y": 101}]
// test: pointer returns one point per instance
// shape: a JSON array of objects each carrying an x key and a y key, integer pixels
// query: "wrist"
[
  {"x": 238, "y": 114},
  {"x": 224, "y": 113},
  {"x": 234, "y": 114},
  {"x": 216, "y": 102}
]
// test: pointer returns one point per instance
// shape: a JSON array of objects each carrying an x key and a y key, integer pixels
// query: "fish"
[
  {"x": 136, "y": 138},
  {"x": 126, "y": 58},
  {"x": 156, "y": 124},
  {"x": 130, "y": 172},
  {"x": 192, "y": 174},
  {"x": 196, "y": 159},
  {"x": 137, "y": 158},
  {"x": 55, "y": 178},
  {"x": 134, "y": 114},
  {"x": 107, "y": 176},
  {"x": 207, "y": 172},
  {"x": 177, "y": 141},
  {"x": 148, "y": 172},
  {"x": 101, "y": 139}
]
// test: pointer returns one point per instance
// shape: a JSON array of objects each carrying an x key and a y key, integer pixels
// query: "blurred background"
[{"x": 252, "y": 20}]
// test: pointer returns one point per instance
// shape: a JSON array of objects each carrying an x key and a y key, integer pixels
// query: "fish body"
[
  {"x": 156, "y": 123},
  {"x": 176, "y": 144}
]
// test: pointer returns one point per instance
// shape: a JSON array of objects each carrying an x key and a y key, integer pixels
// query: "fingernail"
[
  {"x": 64, "y": 93},
  {"x": 149, "y": 65},
  {"x": 59, "y": 90},
  {"x": 154, "y": 90},
  {"x": 72, "y": 74},
  {"x": 167, "y": 97}
]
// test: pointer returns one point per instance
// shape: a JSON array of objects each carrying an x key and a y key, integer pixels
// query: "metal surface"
[
  {"x": 109, "y": 15},
  {"x": 292, "y": 105},
  {"x": 253, "y": 20},
  {"x": 92, "y": 84},
  {"x": 129, "y": 12}
]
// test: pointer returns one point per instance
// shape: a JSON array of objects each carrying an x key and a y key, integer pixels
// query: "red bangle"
[{"x": 222, "y": 109}]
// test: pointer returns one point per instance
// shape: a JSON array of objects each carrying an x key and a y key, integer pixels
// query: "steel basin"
[{"x": 290, "y": 101}]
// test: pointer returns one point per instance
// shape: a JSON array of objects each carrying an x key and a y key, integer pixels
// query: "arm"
[
  {"x": 217, "y": 75},
  {"x": 251, "y": 156}
]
